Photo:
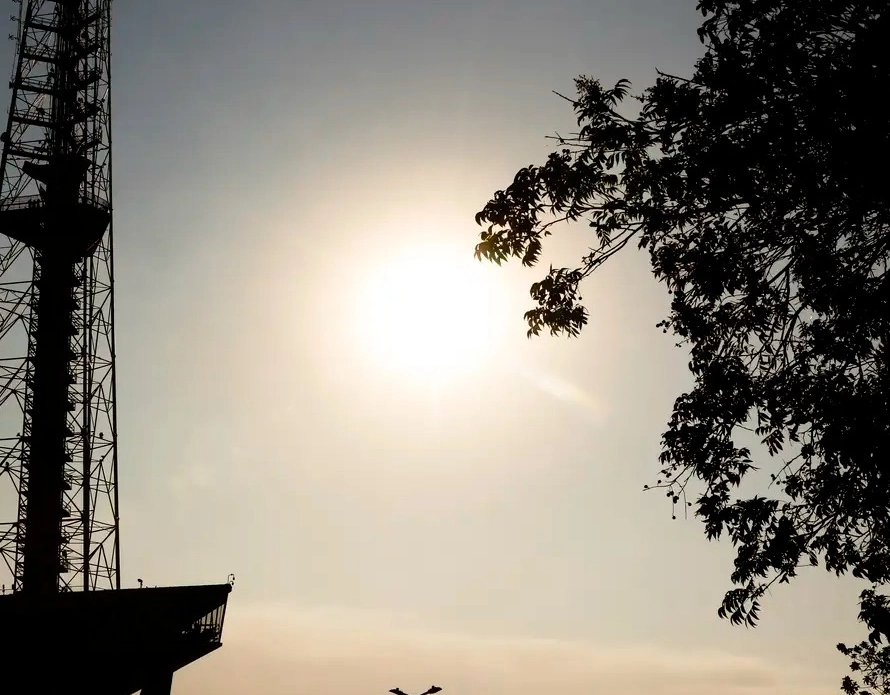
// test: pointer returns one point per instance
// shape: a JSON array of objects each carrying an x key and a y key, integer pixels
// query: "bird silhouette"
[
  {"x": 396, "y": 691},
  {"x": 433, "y": 690}
]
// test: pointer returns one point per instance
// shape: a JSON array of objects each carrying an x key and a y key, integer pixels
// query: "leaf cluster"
[{"x": 754, "y": 187}]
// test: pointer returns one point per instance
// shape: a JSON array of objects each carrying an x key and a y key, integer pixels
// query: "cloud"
[{"x": 278, "y": 650}]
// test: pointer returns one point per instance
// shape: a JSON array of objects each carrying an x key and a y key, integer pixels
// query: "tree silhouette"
[{"x": 753, "y": 186}]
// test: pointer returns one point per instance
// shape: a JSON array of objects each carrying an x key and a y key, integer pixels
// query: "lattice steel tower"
[
  {"x": 59, "y": 450},
  {"x": 58, "y": 431}
]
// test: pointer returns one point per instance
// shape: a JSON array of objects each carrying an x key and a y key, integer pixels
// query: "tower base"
[{"x": 108, "y": 642}]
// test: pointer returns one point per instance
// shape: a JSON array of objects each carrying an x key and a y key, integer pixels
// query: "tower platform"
[
  {"x": 107, "y": 642},
  {"x": 74, "y": 228}
]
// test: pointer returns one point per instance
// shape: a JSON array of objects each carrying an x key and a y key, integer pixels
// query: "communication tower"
[{"x": 62, "y": 606}]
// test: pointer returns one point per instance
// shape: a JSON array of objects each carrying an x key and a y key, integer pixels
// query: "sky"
[{"x": 320, "y": 391}]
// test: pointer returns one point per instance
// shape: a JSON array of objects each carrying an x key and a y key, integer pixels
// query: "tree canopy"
[{"x": 754, "y": 186}]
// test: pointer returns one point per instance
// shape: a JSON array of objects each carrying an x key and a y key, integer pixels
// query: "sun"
[{"x": 431, "y": 312}]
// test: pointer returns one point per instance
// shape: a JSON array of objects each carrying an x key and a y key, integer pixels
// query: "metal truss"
[{"x": 60, "y": 121}]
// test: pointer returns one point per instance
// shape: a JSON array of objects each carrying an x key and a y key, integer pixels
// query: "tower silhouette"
[{"x": 62, "y": 601}]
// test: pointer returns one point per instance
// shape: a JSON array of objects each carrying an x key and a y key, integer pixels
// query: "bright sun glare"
[{"x": 431, "y": 312}]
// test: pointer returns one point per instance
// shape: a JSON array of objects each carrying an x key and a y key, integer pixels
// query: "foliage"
[
  {"x": 870, "y": 658},
  {"x": 753, "y": 185}
]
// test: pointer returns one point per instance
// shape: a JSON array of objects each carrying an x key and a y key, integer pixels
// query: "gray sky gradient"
[{"x": 488, "y": 534}]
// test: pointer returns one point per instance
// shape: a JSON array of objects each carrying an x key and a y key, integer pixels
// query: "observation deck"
[
  {"x": 73, "y": 228},
  {"x": 130, "y": 639}
]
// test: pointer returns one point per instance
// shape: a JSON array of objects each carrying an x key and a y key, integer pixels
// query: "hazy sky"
[{"x": 321, "y": 391}]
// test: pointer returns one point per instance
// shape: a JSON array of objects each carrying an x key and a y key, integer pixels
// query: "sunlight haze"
[{"x": 321, "y": 391}]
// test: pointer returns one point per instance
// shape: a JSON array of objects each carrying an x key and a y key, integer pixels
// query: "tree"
[{"x": 753, "y": 186}]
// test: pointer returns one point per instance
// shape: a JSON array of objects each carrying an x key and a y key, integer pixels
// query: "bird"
[
  {"x": 433, "y": 690},
  {"x": 396, "y": 691}
]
